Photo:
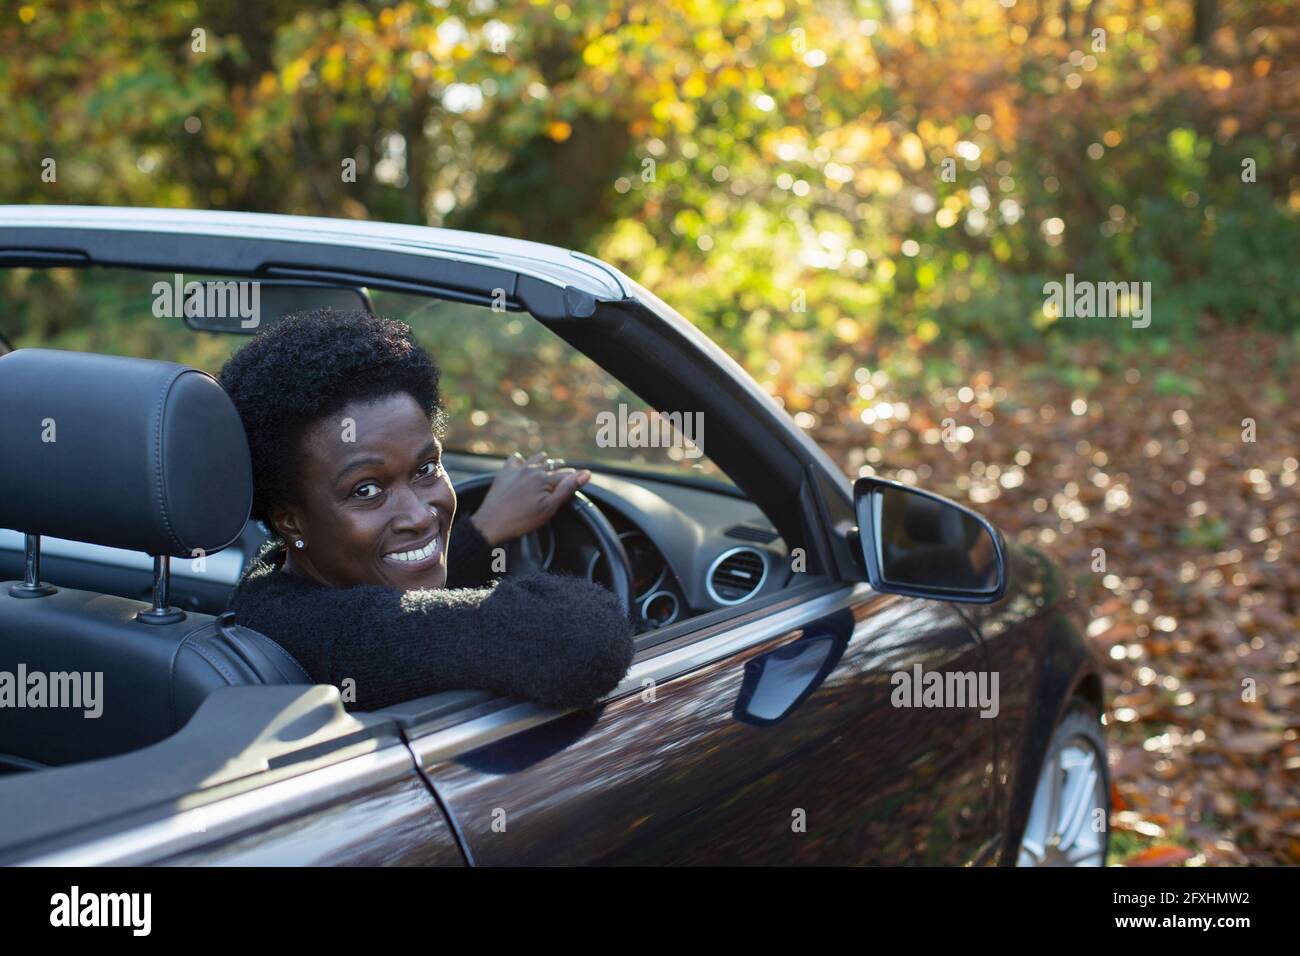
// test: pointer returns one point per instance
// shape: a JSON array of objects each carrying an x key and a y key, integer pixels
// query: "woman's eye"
[
  {"x": 368, "y": 490},
  {"x": 430, "y": 469}
]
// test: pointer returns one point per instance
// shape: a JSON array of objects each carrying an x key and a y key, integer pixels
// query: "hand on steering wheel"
[
  {"x": 525, "y": 495},
  {"x": 525, "y": 552}
]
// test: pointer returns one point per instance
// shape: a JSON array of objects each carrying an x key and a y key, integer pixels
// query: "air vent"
[
  {"x": 748, "y": 532},
  {"x": 736, "y": 575}
]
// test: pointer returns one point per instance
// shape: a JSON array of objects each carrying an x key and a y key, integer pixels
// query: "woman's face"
[{"x": 370, "y": 483}]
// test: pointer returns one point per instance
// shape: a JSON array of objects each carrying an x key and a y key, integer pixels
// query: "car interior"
[{"x": 166, "y": 444}]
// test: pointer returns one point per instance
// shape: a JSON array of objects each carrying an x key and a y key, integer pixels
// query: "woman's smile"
[{"x": 419, "y": 557}]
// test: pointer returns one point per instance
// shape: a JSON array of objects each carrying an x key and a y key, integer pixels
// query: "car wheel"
[{"x": 1069, "y": 821}]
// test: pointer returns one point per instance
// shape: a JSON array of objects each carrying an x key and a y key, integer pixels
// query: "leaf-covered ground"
[{"x": 1138, "y": 473}]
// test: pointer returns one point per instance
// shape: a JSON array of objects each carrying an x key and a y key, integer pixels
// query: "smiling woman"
[
  {"x": 358, "y": 540},
  {"x": 342, "y": 412}
]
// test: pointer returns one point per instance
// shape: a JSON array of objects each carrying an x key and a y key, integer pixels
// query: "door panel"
[
  {"x": 392, "y": 824},
  {"x": 720, "y": 763},
  {"x": 259, "y": 775}
]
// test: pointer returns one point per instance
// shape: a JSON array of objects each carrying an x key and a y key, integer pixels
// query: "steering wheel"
[{"x": 525, "y": 553}]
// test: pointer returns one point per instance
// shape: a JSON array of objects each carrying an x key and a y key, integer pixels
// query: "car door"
[
  {"x": 771, "y": 739},
  {"x": 258, "y": 776},
  {"x": 767, "y": 736}
]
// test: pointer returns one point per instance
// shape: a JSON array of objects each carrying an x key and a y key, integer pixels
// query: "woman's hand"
[{"x": 525, "y": 495}]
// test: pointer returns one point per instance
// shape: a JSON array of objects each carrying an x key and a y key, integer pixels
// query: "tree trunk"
[{"x": 1204, "y": 14}]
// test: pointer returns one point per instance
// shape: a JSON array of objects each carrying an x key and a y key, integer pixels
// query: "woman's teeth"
[{"x": 408, "y": 556}]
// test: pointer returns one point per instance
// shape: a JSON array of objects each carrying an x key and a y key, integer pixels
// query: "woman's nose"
[{"x": 416, "y": 513}]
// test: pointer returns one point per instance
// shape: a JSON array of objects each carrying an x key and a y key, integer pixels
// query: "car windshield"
[{"x": 508, "y": 382}]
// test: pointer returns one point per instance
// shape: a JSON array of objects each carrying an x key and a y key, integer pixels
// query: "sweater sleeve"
[{"x": 555, "y": 640}]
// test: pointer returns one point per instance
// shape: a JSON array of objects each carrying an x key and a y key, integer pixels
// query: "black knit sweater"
[{"x": 556, "y": 640}]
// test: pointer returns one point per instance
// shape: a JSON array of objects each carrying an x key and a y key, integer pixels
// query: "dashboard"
[{"x": 691, "y": 550}]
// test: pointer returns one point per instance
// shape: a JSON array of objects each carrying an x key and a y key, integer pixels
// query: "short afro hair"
[{"x": 310, "y": 365}]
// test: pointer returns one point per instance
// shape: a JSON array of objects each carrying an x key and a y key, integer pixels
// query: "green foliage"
[
  {"x": 1206, "y": 534},
  {"x": 1171, "y": 383},
  {"x": 816, "y": 185}
]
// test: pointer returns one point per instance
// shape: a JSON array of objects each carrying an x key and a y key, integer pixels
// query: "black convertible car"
[{"x": 826, "y": 672}]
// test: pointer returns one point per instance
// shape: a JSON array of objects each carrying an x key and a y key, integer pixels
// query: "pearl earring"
[{"x": 300, "y": 543}]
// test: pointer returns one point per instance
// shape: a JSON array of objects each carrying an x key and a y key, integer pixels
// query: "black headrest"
[{"x": 125, "y": 452}]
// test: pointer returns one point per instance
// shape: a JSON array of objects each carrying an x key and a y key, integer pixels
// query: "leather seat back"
[{"x": 126, "y": 453}]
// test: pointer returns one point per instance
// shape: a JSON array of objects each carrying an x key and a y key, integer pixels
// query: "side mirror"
[{"x": 920, "y": 544}]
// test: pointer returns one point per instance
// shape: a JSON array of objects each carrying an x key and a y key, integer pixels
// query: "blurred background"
[{"x": 862, "y": 202}]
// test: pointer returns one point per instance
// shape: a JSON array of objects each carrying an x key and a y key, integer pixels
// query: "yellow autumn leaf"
[
  {"x": 912, "y": 151},
  {"x": 332, "y": 73},
  {"x": 293, "y": 74},
  {"x": 890, "y": 182}
]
